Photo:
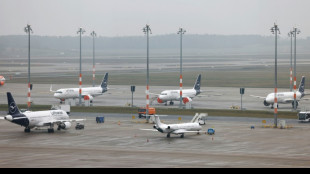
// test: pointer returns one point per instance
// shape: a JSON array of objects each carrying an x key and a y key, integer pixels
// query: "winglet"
[{"x": 51, "y": 89}]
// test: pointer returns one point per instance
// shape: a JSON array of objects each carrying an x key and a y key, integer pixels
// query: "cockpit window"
[{"x": 59, "y": 92}]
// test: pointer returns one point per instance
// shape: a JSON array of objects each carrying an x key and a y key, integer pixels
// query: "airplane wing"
[
  {"x": 182, "y": 131},
  {"x": 77, "y": 120},
  {"x": 154, "y": 94},
  {"x": 258, "y": 97},
  {"x": 61, "y": 121},
  {"x": 154, "y": 130},
  {"x": 288, "y": 100}
]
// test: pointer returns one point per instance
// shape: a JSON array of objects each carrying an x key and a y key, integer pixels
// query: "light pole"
[
  {"x": 291, "y": 34},
  {"x": 147, "y": 30},
  {"x": 295, "y": 32},
  {"x": 94, "y": 34},
  {"x": 80, "y": 31},
  {"x": 181, "y": 33},
  {"x": 275, "y": 30},
  {"x": 28, "y": 30}
]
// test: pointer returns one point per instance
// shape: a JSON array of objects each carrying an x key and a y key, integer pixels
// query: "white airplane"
[
  {"x": 31, "y": 120},
  {"x": 2, "y": 80},
  {"x": 90, "y": 92},
  {"x": 178, "y": 129},
  {"x": 286, "y": 97},
  {"x": 174, "y": 95}
]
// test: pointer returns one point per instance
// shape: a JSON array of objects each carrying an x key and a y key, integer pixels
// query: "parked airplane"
[
  {"x": 174, "y": 95},
  {"x": 31, "y": 120},
  {"x": 2, "y": 80},
  {"x": 286, "y": 97},
  {"x": 178, "y": 129},
  {"x": 73, "y": 93}
]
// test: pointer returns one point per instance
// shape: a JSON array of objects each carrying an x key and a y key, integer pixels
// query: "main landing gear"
[
  {"x": 170, "y": 103},
  {"x": 27, "y": 130},
  {"x": 51, "y": 129}
]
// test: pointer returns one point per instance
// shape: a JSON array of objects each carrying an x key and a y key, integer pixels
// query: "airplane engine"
[
  {"x": 89, "y": 97},
  {"x": 65, "y": 125},
  {"x": 266, "y": 104},
  {"x": 2, "y": 83},
  {"x": 159, "y": 100},
  {"x": 187, "y": 100}
]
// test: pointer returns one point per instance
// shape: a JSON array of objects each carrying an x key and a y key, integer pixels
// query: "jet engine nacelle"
[
  {"x": 2, "y": 83},
  {"x": 187, "y": 100},
  {"x": 266, "y": 104},
  {"x": 65, "y": 125},
  {"x": 160, "y": 100},
  {"x": 89, "y": 97}
]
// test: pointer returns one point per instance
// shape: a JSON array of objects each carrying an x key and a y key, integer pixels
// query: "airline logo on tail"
[
  {"x": 13, "y": 107},
  {"x": 104, "y": 84},
  {"x": 302, "y": 85},
  {"x": 198, "y": 84}
]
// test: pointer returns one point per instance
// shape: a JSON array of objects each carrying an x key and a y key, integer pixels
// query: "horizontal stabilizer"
[
  {"x": 153, "y": 130},
  {"x": 258, "y": 97}
]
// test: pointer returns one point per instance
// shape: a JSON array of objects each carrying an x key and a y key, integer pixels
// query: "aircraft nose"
[
  {"x": 56, "y": 95},
  {"x": 270, "y": 99}
]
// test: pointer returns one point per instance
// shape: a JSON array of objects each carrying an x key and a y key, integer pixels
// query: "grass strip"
[{"x": 166, "y": 111}]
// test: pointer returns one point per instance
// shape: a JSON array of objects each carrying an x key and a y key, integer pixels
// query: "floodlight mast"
[
  {"x": 181, "y": 32},
  {"x": 147, "y": 30},
  {"x": 28, "y": 30},
  {"x": 80, "y": 32},
  {"x": 275, "y": 30},
  {"x": 295, "y": 32},
  {"x": 94, "y": 34},
  {"x": 291, "y": 35}
]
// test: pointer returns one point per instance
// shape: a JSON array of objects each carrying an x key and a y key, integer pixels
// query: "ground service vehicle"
[
  {"x": 142, "y": 112},
  {"x": 304, "y": 116}
]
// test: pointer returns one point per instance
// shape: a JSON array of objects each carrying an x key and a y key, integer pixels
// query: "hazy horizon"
[{"x": 128, "y": 17}]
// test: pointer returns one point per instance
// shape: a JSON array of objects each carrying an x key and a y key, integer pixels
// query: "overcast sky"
[{"x": 128, "y": 17}]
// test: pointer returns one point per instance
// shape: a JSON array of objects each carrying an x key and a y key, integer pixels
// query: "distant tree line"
[{"x": 15, "y": 46}]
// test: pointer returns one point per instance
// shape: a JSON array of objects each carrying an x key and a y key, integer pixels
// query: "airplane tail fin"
[
  {"x": 104, "y": 83},
  {"x": 157, "y": 121},
  {"x": 13, "y": 109},
  {"x": 198, "y": 84},
  {"x": 302, "y": 85}
]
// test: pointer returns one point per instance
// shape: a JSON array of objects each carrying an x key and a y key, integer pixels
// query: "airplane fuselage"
[
  {"x": 38, "y": 119},
  {"x": 73, "y": 93},
  {"x": 173, "y": 128},
  {"x": 174, "y": 95},
  {"x": 284, "y": 98}
]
